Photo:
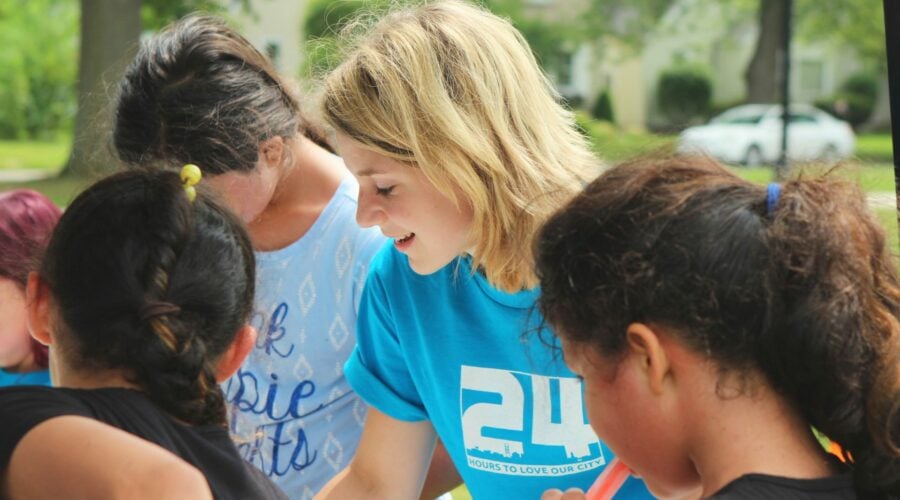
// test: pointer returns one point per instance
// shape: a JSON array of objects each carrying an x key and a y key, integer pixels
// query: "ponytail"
[
  {"x": 199, "y": 92},
  {"x": 833, "y": 342},
  {"x": 151, "y": 284},
  {"x": 175, "y": 371}
]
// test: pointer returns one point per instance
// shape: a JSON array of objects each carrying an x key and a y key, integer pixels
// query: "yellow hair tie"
[{"x": 190, "y": 176}]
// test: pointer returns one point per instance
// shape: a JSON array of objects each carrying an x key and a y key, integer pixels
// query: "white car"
[{"x": 751, "y": 135}]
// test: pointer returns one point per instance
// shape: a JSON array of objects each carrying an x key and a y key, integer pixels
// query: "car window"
[
  {"x": 738, "y": 119},
  {"x": 802, "y": 118}
]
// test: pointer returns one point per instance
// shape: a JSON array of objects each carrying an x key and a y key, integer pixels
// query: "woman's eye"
[{"x": 384, "y": 191}]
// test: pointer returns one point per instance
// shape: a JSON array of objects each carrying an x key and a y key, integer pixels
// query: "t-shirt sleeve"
[
  {"x": 24, "y": 408},
  {"x": 377, "y": 370}
]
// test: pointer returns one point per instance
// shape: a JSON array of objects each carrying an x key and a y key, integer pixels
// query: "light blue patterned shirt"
[{"x": 291, "y": 411}]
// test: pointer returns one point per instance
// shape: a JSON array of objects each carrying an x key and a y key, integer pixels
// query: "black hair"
[
  {"x": 806, "y": 295},
  {"x": 149, "y": 283},
  {"x": 198, "y": 92}
]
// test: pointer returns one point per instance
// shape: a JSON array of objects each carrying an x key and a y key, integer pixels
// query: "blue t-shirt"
[
  {"x": 39, "y": 377},
  {"x": 450, "y": 348},
  {"x": 291, "y": 411}
]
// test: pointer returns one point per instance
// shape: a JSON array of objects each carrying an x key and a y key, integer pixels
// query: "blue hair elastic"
[{"x": 772, "y": 193}]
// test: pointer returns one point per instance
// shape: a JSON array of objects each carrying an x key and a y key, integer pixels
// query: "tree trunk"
[
  {"x": 762, "y": 73},
  {"x": 110, "y": 30}
]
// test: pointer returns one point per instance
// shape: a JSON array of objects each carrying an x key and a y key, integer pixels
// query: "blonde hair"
[{"x": 455, "y": 90}]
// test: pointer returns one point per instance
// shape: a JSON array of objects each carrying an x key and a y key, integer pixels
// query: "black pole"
[
  {"x": 781, "y": 170},
  {"x": 891, "y": 18}
]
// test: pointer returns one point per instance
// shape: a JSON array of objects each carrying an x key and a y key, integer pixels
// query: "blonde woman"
[{"x": 461, "y": 151}]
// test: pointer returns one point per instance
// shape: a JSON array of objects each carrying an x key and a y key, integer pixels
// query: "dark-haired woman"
[
  {"x": 198, "y": 92},
  {"x": 26, "y": 219},
  {"x": 144, "y": 297},
  {"x": 716, "y": 322}
]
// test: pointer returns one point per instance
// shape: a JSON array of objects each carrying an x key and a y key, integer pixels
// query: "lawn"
[
  {"x": 875, "y": 148},
  {"x": 613, "y": 145},
  {"x": 888, "y": 218},
  {"x": 872, "y": 168},
  {"x": 61, "y": 190},
  {"x": 43, "y": 155},
  {"x": 872, "y": 177}
]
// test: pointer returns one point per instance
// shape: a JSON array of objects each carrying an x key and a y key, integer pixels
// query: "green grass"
[
  {"x": 43, "y": 155},
  {"x": 759, "y": 175},
  {"x": 613, "y": 145},
  {"x": 61, "y": 190},
  {"x": 875, "y": 148},
  {"x": 874, "y": 171},
  {"x": 888, "y": 218},
  {"x": 875, "y": 178},
  {"x": 872, "y": 177}
]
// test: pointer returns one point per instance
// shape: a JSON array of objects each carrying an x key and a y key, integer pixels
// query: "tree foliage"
[
  {"x": 38, "y": 91},
  {"x": 550, "y": 41},
  {"x": 157, "y": 13},
  {"x": 629, "y": 22},
  {"x": 853, "y": 23},
  {"x": 323, "y": 22},
  {"x": 39, "y": 61}
]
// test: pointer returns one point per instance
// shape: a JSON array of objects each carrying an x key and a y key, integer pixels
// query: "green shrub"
[
  {"x": 858, "y": 108},
  {"x": 602, "y": 108},
  {"x": 855, "y": 99},
  {"x": 684, "y": 93},
  {"x": 862, "y": 84}
]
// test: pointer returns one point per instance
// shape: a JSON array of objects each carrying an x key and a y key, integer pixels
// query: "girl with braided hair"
[
  {"x": 715, "y": 322},
  {"x": 144, "y": 297}
]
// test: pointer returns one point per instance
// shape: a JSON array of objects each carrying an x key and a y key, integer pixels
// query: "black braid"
[{"x": 132, "y": 241}]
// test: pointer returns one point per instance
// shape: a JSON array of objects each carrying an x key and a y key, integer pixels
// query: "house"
[
  {"x": 691, "y": 31},
  {"x": 275, "y": 27}
]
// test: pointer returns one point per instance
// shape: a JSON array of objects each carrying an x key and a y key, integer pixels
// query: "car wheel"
[{"x": 753, "y": 158}]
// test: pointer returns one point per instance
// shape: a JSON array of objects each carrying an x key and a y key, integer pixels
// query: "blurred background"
[{"x": 642, "y": 75}]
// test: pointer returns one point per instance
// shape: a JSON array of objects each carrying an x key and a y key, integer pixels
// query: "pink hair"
[{"x": 26, "y": 220}]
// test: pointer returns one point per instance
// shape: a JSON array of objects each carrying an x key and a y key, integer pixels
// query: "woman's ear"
[
  {"x": 38, "y": 305},
  {"x": 271, "y": 151},
  {"x": 236, "y": 353},
  {"x": 644, "y": 344}
]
